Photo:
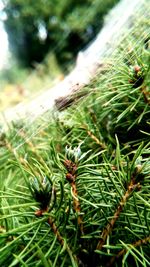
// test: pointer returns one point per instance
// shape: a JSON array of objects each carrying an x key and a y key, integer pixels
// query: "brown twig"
[
  {"x": 108, "y": 229},
  {"x": 55, "y": 231},
  {"x": 60, "y": 239},
  {"x": 71, "y": 177},
  {"x": 146, "y": 95},
  {"x": 76, "y": 205},
  {"x": 123, "y": 251},
  {"x": 95, "y": 139}
]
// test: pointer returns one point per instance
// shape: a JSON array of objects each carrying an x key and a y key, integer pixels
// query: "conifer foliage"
[{"x": 76, "y": 192}]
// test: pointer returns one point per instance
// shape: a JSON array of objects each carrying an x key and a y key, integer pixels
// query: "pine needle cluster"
[{"x": 75, "y": 192}]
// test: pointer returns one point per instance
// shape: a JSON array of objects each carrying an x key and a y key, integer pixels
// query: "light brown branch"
[
  {"x": 71, "y": 177},
  {"x": 108, "y": 229},
  {"x": 93, "y": 137},
  {"x": 146, "y": 95},
  {"x": 123, "y": 251},
  {"x": 76, "y": 205},
  {"x": 60, "y": 239},
  {"x": 55, "y": 231}
]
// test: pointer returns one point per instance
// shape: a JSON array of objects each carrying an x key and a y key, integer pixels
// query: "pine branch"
[
  {"x": 133, "y": 185},
  {"x": 71, "y": 177},
  {"x": 123, "y": 251},
  {"x": 137, "y": 80},
  {"x": 44, "y": 193},
  {"x": 94, "y": 138},
  {"x": 146, "y": 95},
  {"x": 61, "y": 240},
  {"x": 55, "y": 231},
  {"x": 114, "y": 105}
]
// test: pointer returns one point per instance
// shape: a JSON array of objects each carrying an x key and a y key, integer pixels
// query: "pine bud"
[
  {"x": 41, "y": 192},
  {"x": 137, "y": 76},
  {"x": 73, "y": 154}
]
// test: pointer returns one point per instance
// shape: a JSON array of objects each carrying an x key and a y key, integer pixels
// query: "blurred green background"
[{"x": 44, "y": 39}]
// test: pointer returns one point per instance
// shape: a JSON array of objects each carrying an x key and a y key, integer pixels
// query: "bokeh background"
[{"x": 40, "y": 40}]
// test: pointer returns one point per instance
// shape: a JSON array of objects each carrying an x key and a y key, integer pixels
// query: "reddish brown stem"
[
  {"x": 108, "y": 229},
  {"x": 55, "y": 231},
  {"x": 94, "y": 138},
  {"x": 76, "y": 205},
  {"x": 145, "y": 95},
  {"x": 123, "y": 251},
  {"x": 61, "y": 240},
  {"x": 97, "y": 141},
  {"x": 71, "y": 177}
]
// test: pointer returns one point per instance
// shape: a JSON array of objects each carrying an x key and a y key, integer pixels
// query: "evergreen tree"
[{"x": 76, "y": 193}]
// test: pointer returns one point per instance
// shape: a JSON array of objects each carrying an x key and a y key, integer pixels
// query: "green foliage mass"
[
  {"x": 37, "y": 27},
  {"x": 75, "y": 187}
]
